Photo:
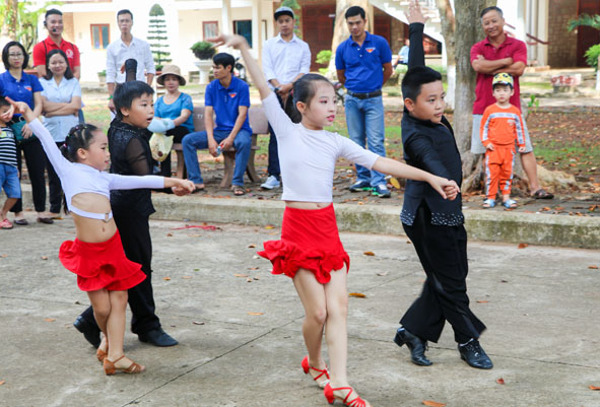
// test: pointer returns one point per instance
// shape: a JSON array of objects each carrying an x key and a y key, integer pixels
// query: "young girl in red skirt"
[
  {"x": 310, "y": 251},
  {"x": 97, "y": 255}
]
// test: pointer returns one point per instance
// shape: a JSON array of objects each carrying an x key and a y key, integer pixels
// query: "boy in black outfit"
[
  {"x": 434, "y": 225},
  {"x": 130, "y": 155}
]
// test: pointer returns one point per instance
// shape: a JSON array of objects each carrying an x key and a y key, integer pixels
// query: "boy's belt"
[{"x": 365, "y": 95}]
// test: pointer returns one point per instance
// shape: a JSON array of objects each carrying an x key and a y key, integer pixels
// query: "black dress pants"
[
  {"x": 135, "y": 234},
  {"x": 442, "y": 251},
  {"x": 35, "y": 158},
  {"x": 56, "y": 192}
]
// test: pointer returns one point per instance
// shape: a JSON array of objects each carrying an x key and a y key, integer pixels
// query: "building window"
[
  {"x": 100, "y": 36},
  {"x": 210, "y": 29},
  {"x": 244, "y": 28}
]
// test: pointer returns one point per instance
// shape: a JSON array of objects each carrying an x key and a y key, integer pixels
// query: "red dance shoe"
[
  {"x": 356, "y": 402},
  {"x": 306, "y": 367}
]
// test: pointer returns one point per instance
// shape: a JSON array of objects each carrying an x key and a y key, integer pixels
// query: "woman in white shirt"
[{"x": 61, "y": 99}]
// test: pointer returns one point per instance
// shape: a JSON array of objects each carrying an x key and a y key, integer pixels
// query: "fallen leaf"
[
  {"x": 359, "y": 295},
  {"x": 166, "y": 278},
  {"x": 594, "y": 387},
  {"x": 249, "y": 280},
  {"x": 269, "y": 227},
  {"x": 395, "y": 183},
  {"x": 256, "y": 313},
  {"x": 186, "y": 277},
  {"x": 500, "y": 381},
  {"x": 44, "y": 257},
  {"x": 256, "y": 278},
  {"x": 251, "y": 246},
  {"x": 197, "y": 323},
  {"x": 522, "y": 245},
  {"x": 593, "y": 267},
  {"x": 2, "y": 382},
  {"x": 383, "y": 273},
  {"x": 482, "y": 301},
  {"x": 4, "y": 256},
  {"x": 169, "y": 234},
  {"x": 253, "y": 268},
  {"x": 240, "y": 275},
  {"x": 49, "y": 319},
  {"x": 369, "y": 253},
  {"x": 432, "y": 403}
]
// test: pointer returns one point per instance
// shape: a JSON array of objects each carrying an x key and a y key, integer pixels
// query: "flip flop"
[
  {"x": 542, "y": 194},
  {"x": 238, "y": 190},
  {"x": 488, "y": 203},
  {"x": 510, "y": 204}
]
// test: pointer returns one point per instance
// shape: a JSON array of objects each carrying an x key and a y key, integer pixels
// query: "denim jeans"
[
  {"x": 364, "y": 118},
  {"x": 199, "y": 141}
]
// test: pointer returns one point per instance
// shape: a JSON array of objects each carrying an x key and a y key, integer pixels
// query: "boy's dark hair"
[
  {"x": 494, "y": 86},
  {"x": 224, "y": 59},
  {"x": 80, "y": 136},
  {"x": 3, "y": 101},
  {"x": 492, "y": 8},
  {"x": 126, "y": 92},
  {"x": 52, "y": 11},
  {"x": 415, "y": 78},
  {"x": 304, "y": 91},
  {"x": 68, "y": 72},
  {"x": 125, "y": 11},
  {"x": 354, "y": 11},
  {"x": 5, "y": 54}
]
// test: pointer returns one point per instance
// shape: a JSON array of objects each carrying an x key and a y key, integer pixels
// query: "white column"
[
  {"x": 226, "y": 23},
  {"x": 542, "y": 33},
  {"x": 257, "y": 39}
]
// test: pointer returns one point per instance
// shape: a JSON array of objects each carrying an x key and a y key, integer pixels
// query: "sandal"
[
  {"x": 510, "y": 204},
  {"x": 488, "y": 203},
  {"x": 198, "y": 188},
  {"x": 101, "y": 355},
  {"x": 355, "y": 402},
  {"x": 111, "y": 369},
  {"x": 306, "y": 367},
  {"x": 542, "y": 194},
  {"x": 238, "y": 190},
  {"x": 5, "y": 224}
]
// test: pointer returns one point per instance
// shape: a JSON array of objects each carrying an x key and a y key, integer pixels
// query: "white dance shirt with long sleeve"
[
  {"x": 307, "y": 157},
  {"x": 77, "y": 178}
]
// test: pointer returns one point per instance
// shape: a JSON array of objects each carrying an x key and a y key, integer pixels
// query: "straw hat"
[{"x": 170, "y": 70}]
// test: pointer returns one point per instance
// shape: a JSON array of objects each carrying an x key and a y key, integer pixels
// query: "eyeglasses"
[{"x": 19, "y": 55}]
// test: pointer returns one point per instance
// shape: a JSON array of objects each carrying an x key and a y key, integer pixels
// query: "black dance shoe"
[
  {"x": 474, "y": 355},
  {"x": 416, "y": 345},
  {"x": 158, "y": 337},
  {"x": 90, "y": 331}
]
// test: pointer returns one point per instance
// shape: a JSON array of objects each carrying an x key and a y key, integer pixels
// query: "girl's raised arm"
[{"x": 239, "y": 42}]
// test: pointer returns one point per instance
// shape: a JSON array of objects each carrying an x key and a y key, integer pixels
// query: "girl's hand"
[
  {"x": 182, "y": 187},
  {"x": 6, "y": 116},
  {"x": 448, "y": 189},
  {"x": 26, "y": 132},
  {"x": 22, "y": 108},
  {"x": 233, "y": 41},
  {"x": 414, "y": 14}
]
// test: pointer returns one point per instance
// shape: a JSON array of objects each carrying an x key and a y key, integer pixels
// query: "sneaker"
[
  {"x": 381, "y": 191},
  {"x": 360, "y": 186},
  {"x": 5, "y": 224},
  {"x": 271, "y": 182}
]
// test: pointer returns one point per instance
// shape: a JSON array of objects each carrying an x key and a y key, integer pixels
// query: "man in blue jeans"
[
  {"x": 229, "y": 98},
  {"x": 364, "y": 63}
]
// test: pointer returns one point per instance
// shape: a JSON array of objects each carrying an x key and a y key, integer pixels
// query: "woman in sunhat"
[{"x": 174, "y": 105}]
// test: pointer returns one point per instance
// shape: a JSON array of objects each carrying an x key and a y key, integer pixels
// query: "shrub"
[
  {"x": 203, "y": 50},
  {"x": 591, "y": 56}
]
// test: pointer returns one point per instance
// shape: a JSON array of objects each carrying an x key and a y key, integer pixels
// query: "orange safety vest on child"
[{"x": 501, "y": 127}]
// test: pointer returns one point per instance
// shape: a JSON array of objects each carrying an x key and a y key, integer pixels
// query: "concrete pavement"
[{"x": 241, "y": 341}]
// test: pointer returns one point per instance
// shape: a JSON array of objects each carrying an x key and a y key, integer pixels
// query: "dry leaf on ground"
[
  {"x": 594, "y": 387},
  {"x": 358, "y": 295},
  {"x": 2, "y": 382},
  {"x": 592, "y": 267},
  {"x": 369, "y": 253},
  {"x": 49, "y": 319},
  {"x": 166, "y": 278},
  {"x": 197, "y": 323},
  {"x": 432, "y": 403},
  {"x": 522, "y": 245},
  {"x": 256, "y": 313},
  {"x": 482, "y": 301},
  {"x": 500, "y": 381},
  {"x": 240, "y": 275}
]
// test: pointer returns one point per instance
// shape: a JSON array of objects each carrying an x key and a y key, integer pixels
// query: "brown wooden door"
[
  {"x": 587, "y": 36},
  {"x": 317, "y": 29},
  {"x": 383, "y": 26}
]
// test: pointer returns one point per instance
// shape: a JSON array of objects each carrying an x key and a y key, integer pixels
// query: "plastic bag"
[{"x": 160, "y": 146}]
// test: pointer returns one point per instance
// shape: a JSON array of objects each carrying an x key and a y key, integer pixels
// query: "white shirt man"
[
  {"x": 124, "y": 48},
  {"x": 285, "y": 59}
]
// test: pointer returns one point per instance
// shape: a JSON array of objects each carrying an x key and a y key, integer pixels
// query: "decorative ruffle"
[{"x": 100, "y": 265}]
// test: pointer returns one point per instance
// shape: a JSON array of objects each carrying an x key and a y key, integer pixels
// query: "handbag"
[{"x": 17, "y": 128}]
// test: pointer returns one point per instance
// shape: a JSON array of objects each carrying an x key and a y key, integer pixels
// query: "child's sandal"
[
  {"x": 488, "y": 203},
  {"x": 101, "y": 355},
  {"x": 322, "y": 372},
  {"x": 110, "y": 368},
  {"x": 510, "y": 204}
]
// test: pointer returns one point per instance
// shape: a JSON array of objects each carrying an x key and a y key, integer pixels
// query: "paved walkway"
[{"x": 239, "y": 326}]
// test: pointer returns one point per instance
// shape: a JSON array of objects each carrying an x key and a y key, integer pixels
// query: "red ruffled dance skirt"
[
  {"x": 309, "y": 240},
  {"x": 100, "y": 265}
]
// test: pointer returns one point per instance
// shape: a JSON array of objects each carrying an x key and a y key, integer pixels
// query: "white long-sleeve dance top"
[
  {"x": 77, "y": 178},
  {"x": 307, "y": 157}
]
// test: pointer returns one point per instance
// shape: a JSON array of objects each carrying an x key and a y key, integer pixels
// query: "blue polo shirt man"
[
  {"x": 229, "y": 98},
  {"x": 364, "y": 63}
]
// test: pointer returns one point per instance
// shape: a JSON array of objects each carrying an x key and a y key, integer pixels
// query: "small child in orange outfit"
[{"x": 501, "y": 126}]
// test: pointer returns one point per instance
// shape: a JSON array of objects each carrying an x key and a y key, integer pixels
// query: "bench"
[{"x": 258, "y": 123}]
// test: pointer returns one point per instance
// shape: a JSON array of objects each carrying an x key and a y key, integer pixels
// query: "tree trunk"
[
  {"x": 340, "y": 31},
  {"x": 468, "y": 32},
  {"x": 448, "y": 28},
  {"x": 10, "y": 23}
]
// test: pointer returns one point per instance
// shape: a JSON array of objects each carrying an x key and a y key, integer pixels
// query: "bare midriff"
[
  {"x": 93, "y": 230},
  {"x": 307, "y": 205}
]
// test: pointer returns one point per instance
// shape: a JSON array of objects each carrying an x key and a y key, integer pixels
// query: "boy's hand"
[
  {"x": 448, "y": 189},
  {"x": 451, "y": 191},
  {"x": 490, "y": 147},
  {"x": 522, "y": 149},
  {"x": 414, "y": 14},
  {"x": 6, "y": 116},
  {"x": 233, "y": 41}
]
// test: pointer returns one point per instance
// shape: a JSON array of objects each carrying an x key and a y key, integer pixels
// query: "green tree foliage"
[
  {"x": 585, "y": 20},
  {"x": 157, "y": 36},
  {"x": 591, "y": 56},
  {"x": 19, "y": 20}
]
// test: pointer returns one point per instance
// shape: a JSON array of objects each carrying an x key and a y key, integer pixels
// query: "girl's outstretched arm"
[
  {"x": 448, "y": 189},
  {"x": 239, "y": 42}
]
